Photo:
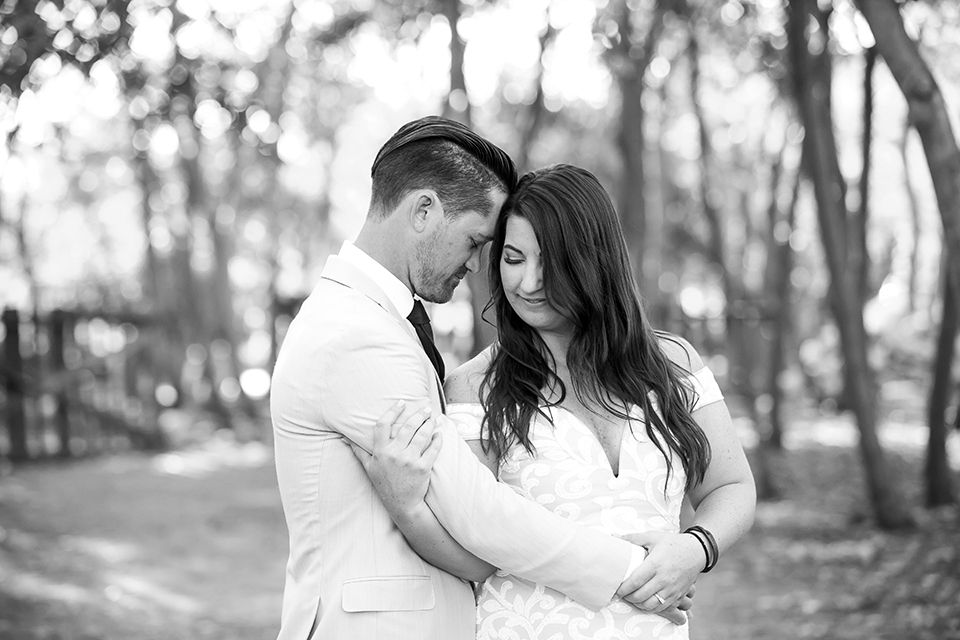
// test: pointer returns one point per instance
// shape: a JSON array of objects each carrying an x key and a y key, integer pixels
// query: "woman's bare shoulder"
[
  {"x": 680, "y": 352},
  {"x": 463, "y": 383}
]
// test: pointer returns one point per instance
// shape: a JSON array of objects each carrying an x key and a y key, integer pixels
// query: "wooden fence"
[{"x": 75, "y": 382}]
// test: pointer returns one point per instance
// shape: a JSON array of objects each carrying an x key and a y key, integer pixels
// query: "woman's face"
[{"x": 521, "y": 271}]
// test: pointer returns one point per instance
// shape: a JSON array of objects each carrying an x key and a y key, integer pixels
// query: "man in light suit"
[{"x": 348, "y": 356}]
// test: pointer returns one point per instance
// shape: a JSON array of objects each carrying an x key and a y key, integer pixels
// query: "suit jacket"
[{"x": 347, "y": 357}]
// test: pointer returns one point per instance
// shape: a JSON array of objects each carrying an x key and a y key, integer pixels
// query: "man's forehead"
[
  {"x": 497, "y": 198},
  {"x": 474, "y": 217},
  {"x": 481, "y": 227}
]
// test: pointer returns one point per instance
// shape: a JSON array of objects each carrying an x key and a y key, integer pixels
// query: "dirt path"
[
  {"x": 192, "y": 546},
  {"x": 120, "y": 548}
]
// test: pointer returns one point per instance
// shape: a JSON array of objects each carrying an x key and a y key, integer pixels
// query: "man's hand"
[
  {"x": 403, "y": 455},
  {"x": 667, "y": 575}
]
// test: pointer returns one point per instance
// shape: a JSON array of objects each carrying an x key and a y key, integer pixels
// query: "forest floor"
[{"x": 192, "y": 544}]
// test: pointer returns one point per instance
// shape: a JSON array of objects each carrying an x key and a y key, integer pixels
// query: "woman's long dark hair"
[{"x": 614, "y": 355}]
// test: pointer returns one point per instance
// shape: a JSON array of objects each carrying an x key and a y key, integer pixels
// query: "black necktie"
[{"x": 421, "y": 322}]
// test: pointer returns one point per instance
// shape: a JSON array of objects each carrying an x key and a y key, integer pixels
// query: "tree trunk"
[
  {"x": 457, "y": 104},
  {"x": 927, "y": 113},
  {"x": 937, "y": 475},
  {"x": 914, "y": 209},
  {"x": 661, "y": 302},
  {"x": 164, "y": 357},
  {"x": 632, "y": 62},
  {"x": 196, "y": 304},
  {"x": 716, "y": 242},
  {"x": 147, "y": 181},
  {"x": 273, "y": 75},
  {"x": 535, "y": 114},
  {"x": 11, "y": 368},
  {"x": 483, "y": 333},
  {"x": 779, "y": 290},
  {"x": 743, "y": 333},
  {"x": 631, "y": 205},
  {"x": 860, "y": 256},
  {"x": 733, "y": 290},
  {"x": 810, "y": 60},
  {"x": 58, "y": 328},
  {"x": 26, "y": 260}
]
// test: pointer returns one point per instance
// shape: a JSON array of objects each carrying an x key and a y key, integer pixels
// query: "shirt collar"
[{"x": 396, "y": 291}]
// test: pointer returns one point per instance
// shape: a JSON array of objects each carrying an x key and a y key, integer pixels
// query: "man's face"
[{"x": 452, "y": 249}]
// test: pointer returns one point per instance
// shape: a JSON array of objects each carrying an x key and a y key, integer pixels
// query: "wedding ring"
[{"x": 657, "y": 596}]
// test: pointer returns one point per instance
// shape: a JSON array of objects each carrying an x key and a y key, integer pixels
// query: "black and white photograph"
[{"x": 479, "y": 319}]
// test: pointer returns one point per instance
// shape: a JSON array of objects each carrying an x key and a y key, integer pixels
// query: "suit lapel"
[{"x": 342, "y": 272}]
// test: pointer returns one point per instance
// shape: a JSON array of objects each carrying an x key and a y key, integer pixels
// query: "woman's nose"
[{"x": 532, "y": 279}]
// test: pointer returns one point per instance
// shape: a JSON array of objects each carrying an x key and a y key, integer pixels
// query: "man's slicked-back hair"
[{"x": 443, "y": 155}]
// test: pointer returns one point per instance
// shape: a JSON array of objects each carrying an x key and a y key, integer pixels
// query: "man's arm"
[
  {"x": 371, "y": 369},
  {"x": 400, "y": 472},
  {"x": 399, "y": 469}
]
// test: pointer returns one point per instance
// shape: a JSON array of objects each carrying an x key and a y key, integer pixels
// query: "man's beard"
[{"x": 433, "y": 285}]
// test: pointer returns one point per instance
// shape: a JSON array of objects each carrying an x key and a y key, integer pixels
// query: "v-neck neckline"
[{"x": 583, "y": 425}]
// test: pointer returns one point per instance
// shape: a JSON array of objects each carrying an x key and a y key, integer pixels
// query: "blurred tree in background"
[{"x": 175, "y": 173}]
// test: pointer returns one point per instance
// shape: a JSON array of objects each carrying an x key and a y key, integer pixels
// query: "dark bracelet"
[
  {"x": 713, "y": 554},
  {"x": 713, "y": 545},
  {"x": 706, "y": 553}
]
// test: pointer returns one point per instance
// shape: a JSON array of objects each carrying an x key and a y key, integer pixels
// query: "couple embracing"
[{"x": 533, "y": 493}]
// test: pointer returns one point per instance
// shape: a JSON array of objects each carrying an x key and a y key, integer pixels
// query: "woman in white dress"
[{"x": 583, "y": 408}]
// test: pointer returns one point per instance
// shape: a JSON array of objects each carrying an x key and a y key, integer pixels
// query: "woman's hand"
[
  {"x": 672, "y": 565},
  {"x": 399, "y": 467},
  {"x": 403, "y": 455}
]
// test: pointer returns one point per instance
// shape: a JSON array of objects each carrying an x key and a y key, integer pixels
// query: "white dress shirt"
[{"x": 396, "y": 291}]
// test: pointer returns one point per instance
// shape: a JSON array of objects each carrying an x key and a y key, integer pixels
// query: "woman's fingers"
[
  {"x": 421, "y": 438},
  {"x": 433, "y": 450},
  {"x": 406, "y": 431},
  {"x": 383, "y": 429}
]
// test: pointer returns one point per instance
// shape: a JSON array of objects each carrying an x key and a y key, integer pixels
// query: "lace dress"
[{"x": 571, "y": 475}]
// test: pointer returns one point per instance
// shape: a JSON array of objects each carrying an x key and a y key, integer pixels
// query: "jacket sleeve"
[{"x": 372, "y": 369}]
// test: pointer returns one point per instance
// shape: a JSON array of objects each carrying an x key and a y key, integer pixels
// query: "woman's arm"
[
  {"x": 724, "y": 502},
  {"x": 399, "y": 468},
  {"x": 726, "y": 499}
]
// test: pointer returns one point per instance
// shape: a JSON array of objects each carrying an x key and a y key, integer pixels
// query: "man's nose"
[{"x": 473, "y": 264}]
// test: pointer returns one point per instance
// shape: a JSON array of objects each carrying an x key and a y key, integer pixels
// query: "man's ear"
[{"x": 426, "y": 210}]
